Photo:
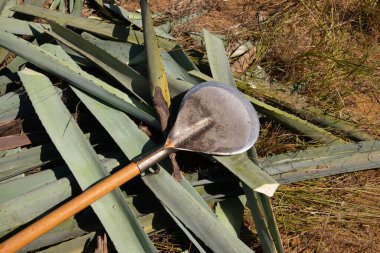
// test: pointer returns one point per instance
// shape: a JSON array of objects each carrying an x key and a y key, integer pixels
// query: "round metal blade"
[{"x": 215, "y": 118}]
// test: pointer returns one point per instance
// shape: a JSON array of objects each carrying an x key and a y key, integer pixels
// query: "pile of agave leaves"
[{"x": 76, "y": 104}]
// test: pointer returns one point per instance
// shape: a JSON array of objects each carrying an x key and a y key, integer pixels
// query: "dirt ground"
[{"x": 327, "y": 52}]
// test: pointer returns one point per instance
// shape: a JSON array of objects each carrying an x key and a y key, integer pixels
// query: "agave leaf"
[
  {"x": 98, "y": 27},
  {"x": 78, "y": 154},
  {"x": 230, "y": 211},
  {"x": 21, "y": 27},
  {"x": 174, "y": 69},
  {"x": 5, "y": 6},
  {"x": 270, "y": 220},
  {"x": 189, "y": 235},
  {"x": 15, "y": 164},
  {"x": 317, "y": 116},
  {"x": 20, "y": 162},
  {"x": 29, "y": 205},
  {"x": 296, "y": 123},
  {"x": 3, "y": 54},
  {"x": 77, "y": 8},
  {"x": 71, "y": 6},
  {"x": 266, "y": 240},
  {"x": 75, "y": 245},
  {"x": 16, "y": 212},
  {"x": 135, "y": 18},
  {"x": 124, "y": 74},
  {"x": 54, "y": 4},
  {"x": 37, "y": 3},
  {"x": 62, "y": 6},
  {"x": 221, "y": 71},
  {"x": 105, "y": 29},
  {"x": 9, "y": 106},
  {"x": 182, "y": 59},
  {"x": 326, "y": 162},
  {"x": 159, "y": 89},
  {"x": 125, "y": 52},
  {"x": 41, "y": 58},
  {"x": 14, "y": 188},
  {"x": 217, "y": 58}
]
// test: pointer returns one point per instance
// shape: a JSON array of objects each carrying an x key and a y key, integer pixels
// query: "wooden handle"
[{"x": 69, "y": 209}]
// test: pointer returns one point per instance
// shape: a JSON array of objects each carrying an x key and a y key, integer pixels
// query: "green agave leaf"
[
  {"x": 120, "y": 223},
  {"x": 20, "y": 162},
  {"x": 159, "y": 89},
  {"x": 125, "y": 52},
  {"x": 71, "y": 6},
  {"x": 16, "y": 212},
  {"x": 5, "y": 6},
  {"x": 15, "y": 164},
  {"x": 41, "y": 58},
  {"x": 135, "y": 18},
  {"x": 77, "y": 8},
  {"x": 124, "y": 74},
  {"x": 217, "y": 58},
  {"x": 9, "y": 106},
  {"x": 270, "y": 220},
  {"x": 221, "y": 71},
  {"x": 132, "y": 141},
  {"x": 105, "y": 29},
  {"x": 174, "y": 69},
  {"x": 75, "y": 245},
  {"x": 34, "y": 200},
  {"x": 37, "y": 3},
  {"x": 316, "y": 155},
  {"x": 266, "y": 240},
  {"x": 21, "y": 27},
  {"x": 296, "y": 123},
  {"x": 189, "y": 235},
  {"x": 3, "y": 54},
  {"x": 14, "y": 188},
  {"x": 230, "y": 213},
  {"x": 182, "y": 59},
  {"x": 325, "y": 161},
  {"x": 54, "y": 4}
]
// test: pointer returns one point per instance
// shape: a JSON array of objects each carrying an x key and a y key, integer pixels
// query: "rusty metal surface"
[{"x": 215, "y": 118}]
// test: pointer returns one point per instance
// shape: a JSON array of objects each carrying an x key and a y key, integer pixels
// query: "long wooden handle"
[{"x": 69, "y": 209}]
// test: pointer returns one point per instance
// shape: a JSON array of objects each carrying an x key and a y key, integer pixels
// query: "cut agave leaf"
[
  {"x": 27, "y": 159},
  {"x": 159, "y": 89},
  {"x": 41, "y": 58},
  {"x": 221, "y": 71},
  {"x": 124, "y": 74},
  {"x": 105, "y": 29},
  {"x": 120, "y": 223},
  {"x": 21, "y": 27},
  {"x": 218, "y": 59},
  {"x": 135, "y": 19},
  {"x": 325, "y": 161},
  {"x": 125, "y": 52}
]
